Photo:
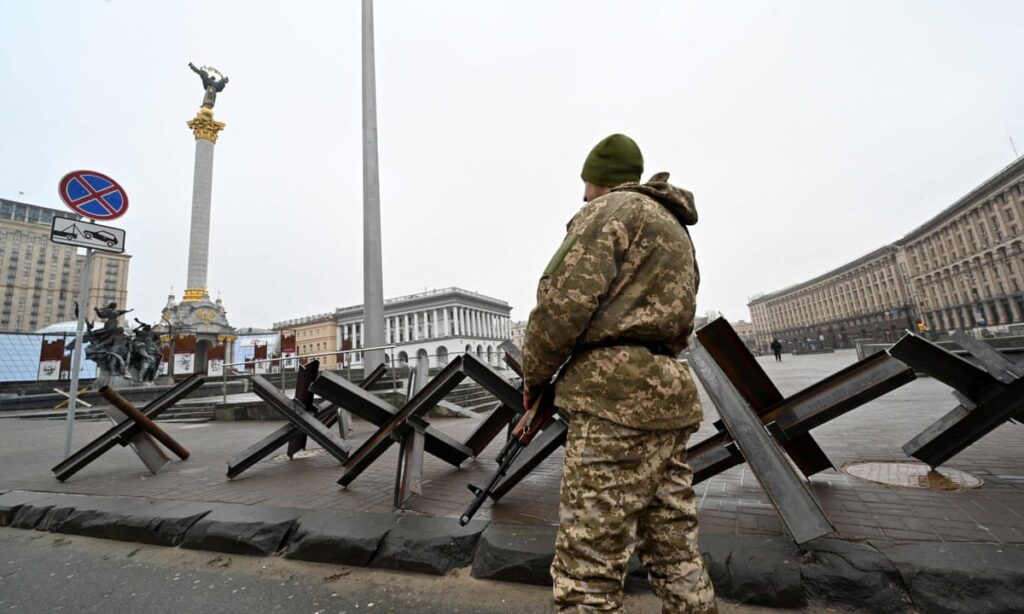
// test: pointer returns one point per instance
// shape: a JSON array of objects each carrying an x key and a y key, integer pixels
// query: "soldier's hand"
[{"x": 527, "y": 401}]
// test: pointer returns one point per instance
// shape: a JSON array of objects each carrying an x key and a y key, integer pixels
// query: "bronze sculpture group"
[{"x": 136, "y": 357}]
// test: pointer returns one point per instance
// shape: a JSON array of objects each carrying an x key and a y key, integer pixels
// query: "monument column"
[{"x": 205, "y": 129}]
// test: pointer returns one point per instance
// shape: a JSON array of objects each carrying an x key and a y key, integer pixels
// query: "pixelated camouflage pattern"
[
  {"x": 621, "y": 488},
  {"x": 628, "y": 279}
]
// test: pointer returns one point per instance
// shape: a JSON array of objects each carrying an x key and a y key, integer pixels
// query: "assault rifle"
[{"x": 542, "y": 410}]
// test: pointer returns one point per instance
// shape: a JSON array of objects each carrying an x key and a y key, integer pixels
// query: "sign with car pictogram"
[{"x": 86, "y": 234}]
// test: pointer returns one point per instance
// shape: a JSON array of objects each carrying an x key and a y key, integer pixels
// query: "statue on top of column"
[{"x": 212, "y": 84}]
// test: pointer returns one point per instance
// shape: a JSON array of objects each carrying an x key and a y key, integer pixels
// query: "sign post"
[
  {"x": 98, "y": 197},
  {"x": 76, "y": 356}
]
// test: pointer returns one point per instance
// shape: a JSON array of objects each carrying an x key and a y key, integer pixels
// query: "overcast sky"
[{"x": 810, "y": 132}]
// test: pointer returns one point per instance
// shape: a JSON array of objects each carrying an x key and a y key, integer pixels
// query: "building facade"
[
  {"x": 316, "y": 335},
  {"x": 962, "y": 269},
  {"x": 517, "y": 333},
  {"x": 965, "y": 266},
  {"x": 432, "y": 325},
  {"x": 40, "y": 280},
  {"x": 745, "y": 331}
]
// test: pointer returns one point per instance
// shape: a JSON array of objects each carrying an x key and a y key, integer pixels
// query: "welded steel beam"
[
  {"x": 726, "y": 348},
  {"x": 326, "y": 412},
  {"x": 510, "y": 399},
  {"x": 397, "y": 426},
  {"x": 826, "y": 400},
  {"x": 123, "y": 432},
  {"x": 988, "y": 395},
  {"x": 303, "y": 396},
  {"x": 294, "y": 412},
  {"x": 998, "y": 366},
  {"x": 927, "y": 357},
  {"x": 378, "y": 412},
  {"x": 800, "y": 511},
  {"x": 961, "y": 428}
]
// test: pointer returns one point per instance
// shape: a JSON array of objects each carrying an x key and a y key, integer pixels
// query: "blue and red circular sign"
[{"x": 93, "y": 195}]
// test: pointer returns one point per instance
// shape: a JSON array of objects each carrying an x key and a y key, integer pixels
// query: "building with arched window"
[{"x": 429, "y": 322}]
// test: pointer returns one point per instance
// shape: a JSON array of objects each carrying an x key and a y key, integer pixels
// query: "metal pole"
[
  {"x": 76, "y": 356},
  {"x": 373, "y": 284},
  {"x": 394, "y": 380}
]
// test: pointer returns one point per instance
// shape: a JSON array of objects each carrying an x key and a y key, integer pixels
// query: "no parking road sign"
[{"x": 93, "y": 195}]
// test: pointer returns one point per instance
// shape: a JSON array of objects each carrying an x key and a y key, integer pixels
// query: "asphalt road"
[{"x": 47, "y": 572}]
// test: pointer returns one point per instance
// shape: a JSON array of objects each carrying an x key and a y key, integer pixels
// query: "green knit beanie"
[{"x": 613, "y": 161}]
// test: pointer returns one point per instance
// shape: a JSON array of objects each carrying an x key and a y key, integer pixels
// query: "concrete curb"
[
  {"x": 873, "y": 576},
  {"x": 342, "y": 538},
  {"x": 242, "y": 529},
  {"x": 428, "y": 544}
]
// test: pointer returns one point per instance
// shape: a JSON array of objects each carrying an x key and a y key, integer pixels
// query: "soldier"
[{"x": 615, "y": 307}]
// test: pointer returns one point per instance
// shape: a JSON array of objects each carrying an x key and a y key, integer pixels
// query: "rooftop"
[{"x": 392, "y": 301}]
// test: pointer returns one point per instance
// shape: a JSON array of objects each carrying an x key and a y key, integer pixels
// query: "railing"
[
  {"x": 285, "y": 360},
  {"x": 433, "y": 361}
]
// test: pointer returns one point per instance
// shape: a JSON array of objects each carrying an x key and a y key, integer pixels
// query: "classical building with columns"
[
  {"x": 434, "y": 325},
  {"x": 962, "y": 269}
]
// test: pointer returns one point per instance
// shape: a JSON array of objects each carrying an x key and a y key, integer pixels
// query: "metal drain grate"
[{"x": 913, "y": 475}]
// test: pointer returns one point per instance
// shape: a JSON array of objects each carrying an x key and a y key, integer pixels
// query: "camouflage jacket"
[{"x": 621, "y": 287}]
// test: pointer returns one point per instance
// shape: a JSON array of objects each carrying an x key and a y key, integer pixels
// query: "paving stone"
[
  {"x": 133, "y": 519},
  {"x": 839, "y": 572},
  {"x": 242, "y": 529},
  {"x": 429, "y": 545},
  {"x": 342, "y": 538},
  {"x": 960, "y": 577},
  {"x": 516, "y": 553}
]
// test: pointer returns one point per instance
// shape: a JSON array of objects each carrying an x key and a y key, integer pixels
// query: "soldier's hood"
[{"x": 678, "y": 201}]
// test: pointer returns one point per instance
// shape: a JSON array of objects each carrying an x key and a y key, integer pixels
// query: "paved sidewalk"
[{"x": 732, "y": 503}]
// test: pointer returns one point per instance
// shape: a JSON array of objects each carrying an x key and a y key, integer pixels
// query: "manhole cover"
[
  {"x": 301, "y": 454},
  {"x": 913, "y": 475}
]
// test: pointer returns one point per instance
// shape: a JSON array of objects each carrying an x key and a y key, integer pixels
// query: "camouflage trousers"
[{"x": 622, "y": 489}]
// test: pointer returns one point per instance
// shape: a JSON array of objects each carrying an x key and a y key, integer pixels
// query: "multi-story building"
[
  {"x": 40, "y": 280},
  {"x": 962, "y": 269},
  {"x": 433, "y": 325},
  {"x": 745, "y": 331},
  {"x": 315, "y": 335},
  {"x": 965, "y": 266}
]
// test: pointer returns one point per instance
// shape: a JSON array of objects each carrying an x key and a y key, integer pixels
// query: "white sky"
[{"x": 810, "y": 132}]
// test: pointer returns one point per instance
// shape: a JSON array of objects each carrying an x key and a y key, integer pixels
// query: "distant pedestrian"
[{"x": 777, "y": 349}]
